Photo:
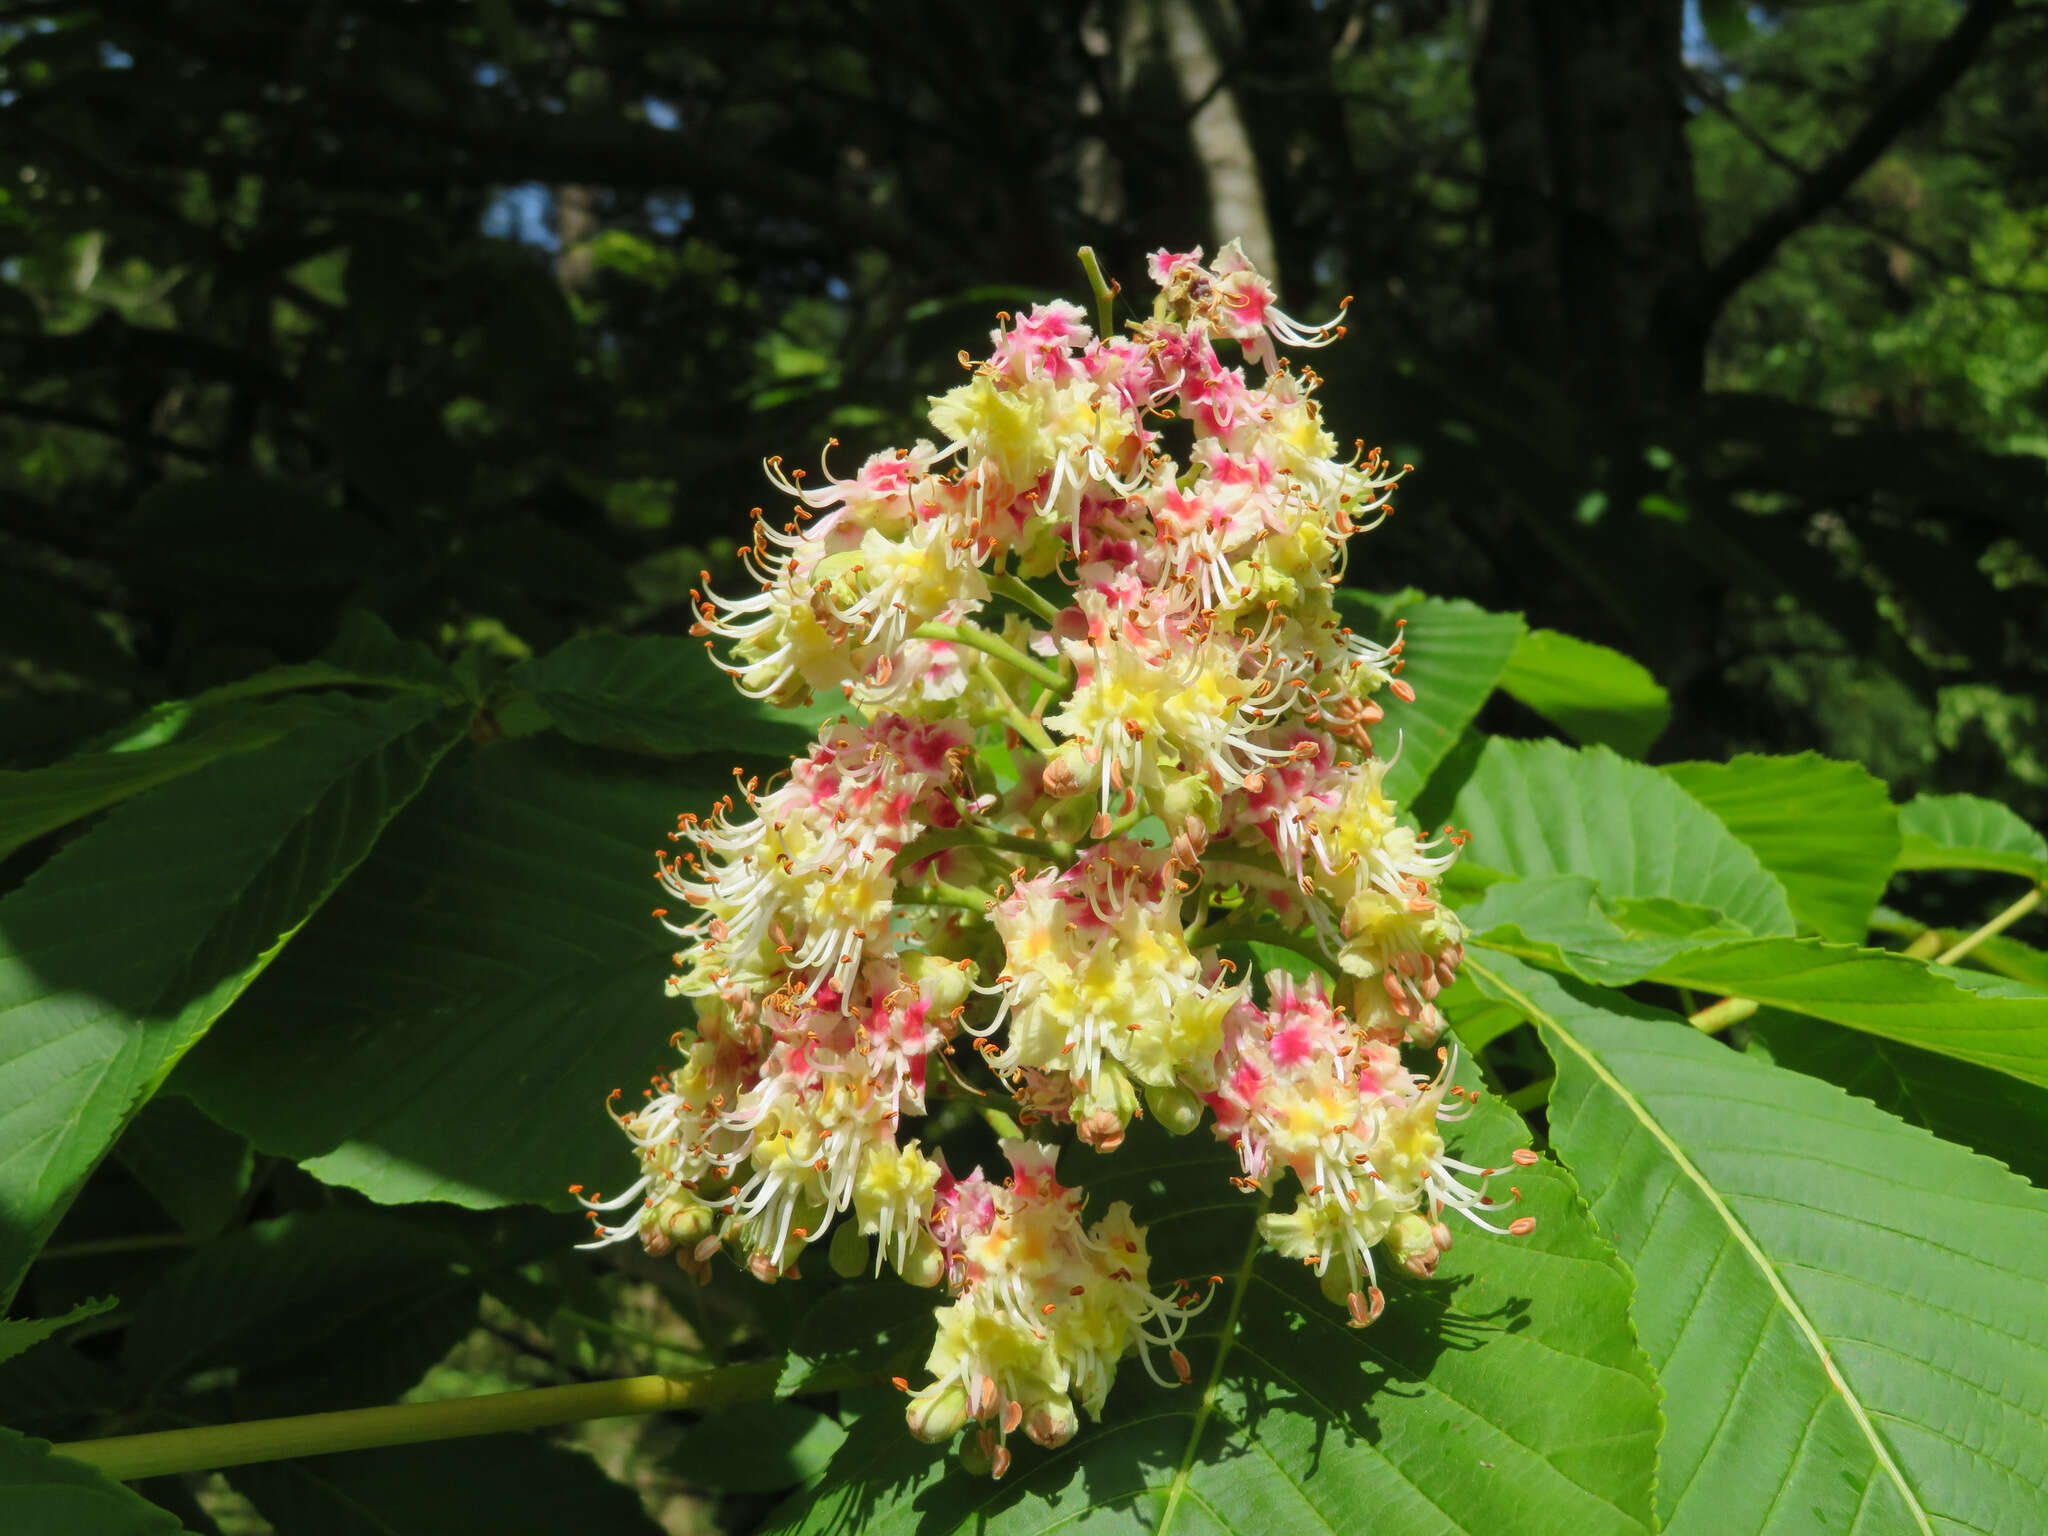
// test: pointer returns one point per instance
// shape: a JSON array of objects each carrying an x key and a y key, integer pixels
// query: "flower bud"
[
  {"x": 1051, "y": 1422},
  {"x": 849, "y": 1251},
  {"x": 1177, "y": 1110},
  {"x": 937, "y": 1416},
  {"x": 924, "y": 1265},
  {"x": 1412, "y": 1240}
]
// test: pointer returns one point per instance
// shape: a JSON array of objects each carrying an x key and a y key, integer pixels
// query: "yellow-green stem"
[
  {"x": 1996, "y": 926},
  {"x": 1003, "y": 584},
  {"x": 1530, "y": 1095},
  {"x": 994, "y": 645},
  {"x": 1103, "y": 289},
  {"x": 1716, "y": 1017},
  {"x": 125, "y": 1457}
]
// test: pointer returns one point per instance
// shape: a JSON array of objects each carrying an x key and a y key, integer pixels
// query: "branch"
[
  {"x": 1824, "y": 186},
  {"x": 28, "y": 410},
  {"x": 1852, "y": 211}
]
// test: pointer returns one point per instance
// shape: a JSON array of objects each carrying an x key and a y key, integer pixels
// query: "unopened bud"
[
  {"x": 937, "y": 1416},
  {"x": 924, "y": 1265},
  {"x": 1052, "y": 1422},
  {"x": 1177, "y": 1110},
  {"x": 848, "y": 1254}
]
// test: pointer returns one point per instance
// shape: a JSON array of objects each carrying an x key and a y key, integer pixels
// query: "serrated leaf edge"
[{"x": 1736, "y": 1229}]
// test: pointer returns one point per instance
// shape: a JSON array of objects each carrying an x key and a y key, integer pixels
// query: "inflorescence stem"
[
  {"x": 993, "y": 645},
  {"x": 126, "y": 1457},
  {"x": 1104, "y": 291}
]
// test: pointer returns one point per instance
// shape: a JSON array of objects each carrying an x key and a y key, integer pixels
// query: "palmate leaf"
[
  {"x": 1539, "y": 808},
  {"x": 660, "y": 694},
  {"x": 1456, "y": 653},
  {"x": 1827, "y": 830},
  {"x": 1848, "y": 1317},
  {"x": 509, "y": 1485},
  {"x": 1986, "y": 1111},
  {"x": 319, "y": 1309},
  {"x": 1504, "y": 1396},
  {"x": 1564, "y": 922},
  {"x": 24, "y": 1333},
  {"x": 1964, "y": 832},
  {"x": 40, "y": 800},
  {"x": 45, "y": 1495},
  {"x": 117, "y": 955},
  {"x": 450, "y": 1028},
  {"x": 1594, "y": 695}
]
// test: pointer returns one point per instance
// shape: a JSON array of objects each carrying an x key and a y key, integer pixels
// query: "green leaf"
[
  {"x": 196, "y": 1170},
  {"x": 1827, "y": 830},
  {"x": 1990, "y": 1021},
  {"x": 117, "y": 954},
  {"x": 756, "y": 1448},
  {"x": 1563, "y": 920},
  {"x": 46, "y": 1495},
  {"x": 1506, "y": 1396},
  {"x": 1594, "y": 695},
  {"x": 329, "y": 1307},
  {"x": 508, "y": 1485},
  {"x": 660, "y": 694},
  {"x": 1964, "y": 832},
  {"x": 491, "y": 969},
  {"x": 868, "y": 1328},
  {"x": 1564, "y": 923},
  {"x": 1455, "y": 653},
  {"x": 1983, "y": 1110},
  {"x": 1848, "y": 1316},
  {"x": 24, "y": 1333},
  {"x": 1539, "y": 808},
  {"x": 40, "y": 800}
]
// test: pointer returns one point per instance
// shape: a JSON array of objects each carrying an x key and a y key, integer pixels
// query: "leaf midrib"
[
  {"x": 1736, "y": 1229},
  {"x": 1240, "y": 1287}
]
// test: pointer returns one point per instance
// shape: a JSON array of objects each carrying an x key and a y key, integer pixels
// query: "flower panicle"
[{"x": 1102, "y": 716}]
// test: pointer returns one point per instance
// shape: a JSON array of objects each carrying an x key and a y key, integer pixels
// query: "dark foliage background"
[{"x": 1718, "y": 334}]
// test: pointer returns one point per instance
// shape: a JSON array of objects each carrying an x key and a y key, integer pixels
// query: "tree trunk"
[{"x": 1588, "y": 197}]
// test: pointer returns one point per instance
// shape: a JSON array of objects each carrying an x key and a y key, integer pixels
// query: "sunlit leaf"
[
  {"x": 1593, "y": 694},
  {"x": 1848, "y": 1317},
  {"x": 1826, "y": 829},
  {"x": 1455, "y": 654},
  {"x": 1539, "y": 808},
  {"x": 1964, "y": 832}
]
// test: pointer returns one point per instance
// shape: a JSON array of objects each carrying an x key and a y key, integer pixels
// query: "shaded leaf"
[
  {"x": 46, "y": 1495},
  {"x": 1827, "y": 830},
  {"x": 871, "y": 1328},
  {"x": 756, "y": 1448},
  {"x": 1593, "y": 694},
  {"x": 1848, "y": 1316},
  {"x": 491, "y": 969},
  {"x": 196, "y": 1170},
  {"x": 40, "y": 800},
  {"x": 24, "y": 1333},
  {"x": 508, "y": 1485},
  {"x": 117, "y": 954},
  {"x": 660, "y": 694},
  {"x": 329, "y": 1307},
  {"x": 1539, "y": 808}
]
